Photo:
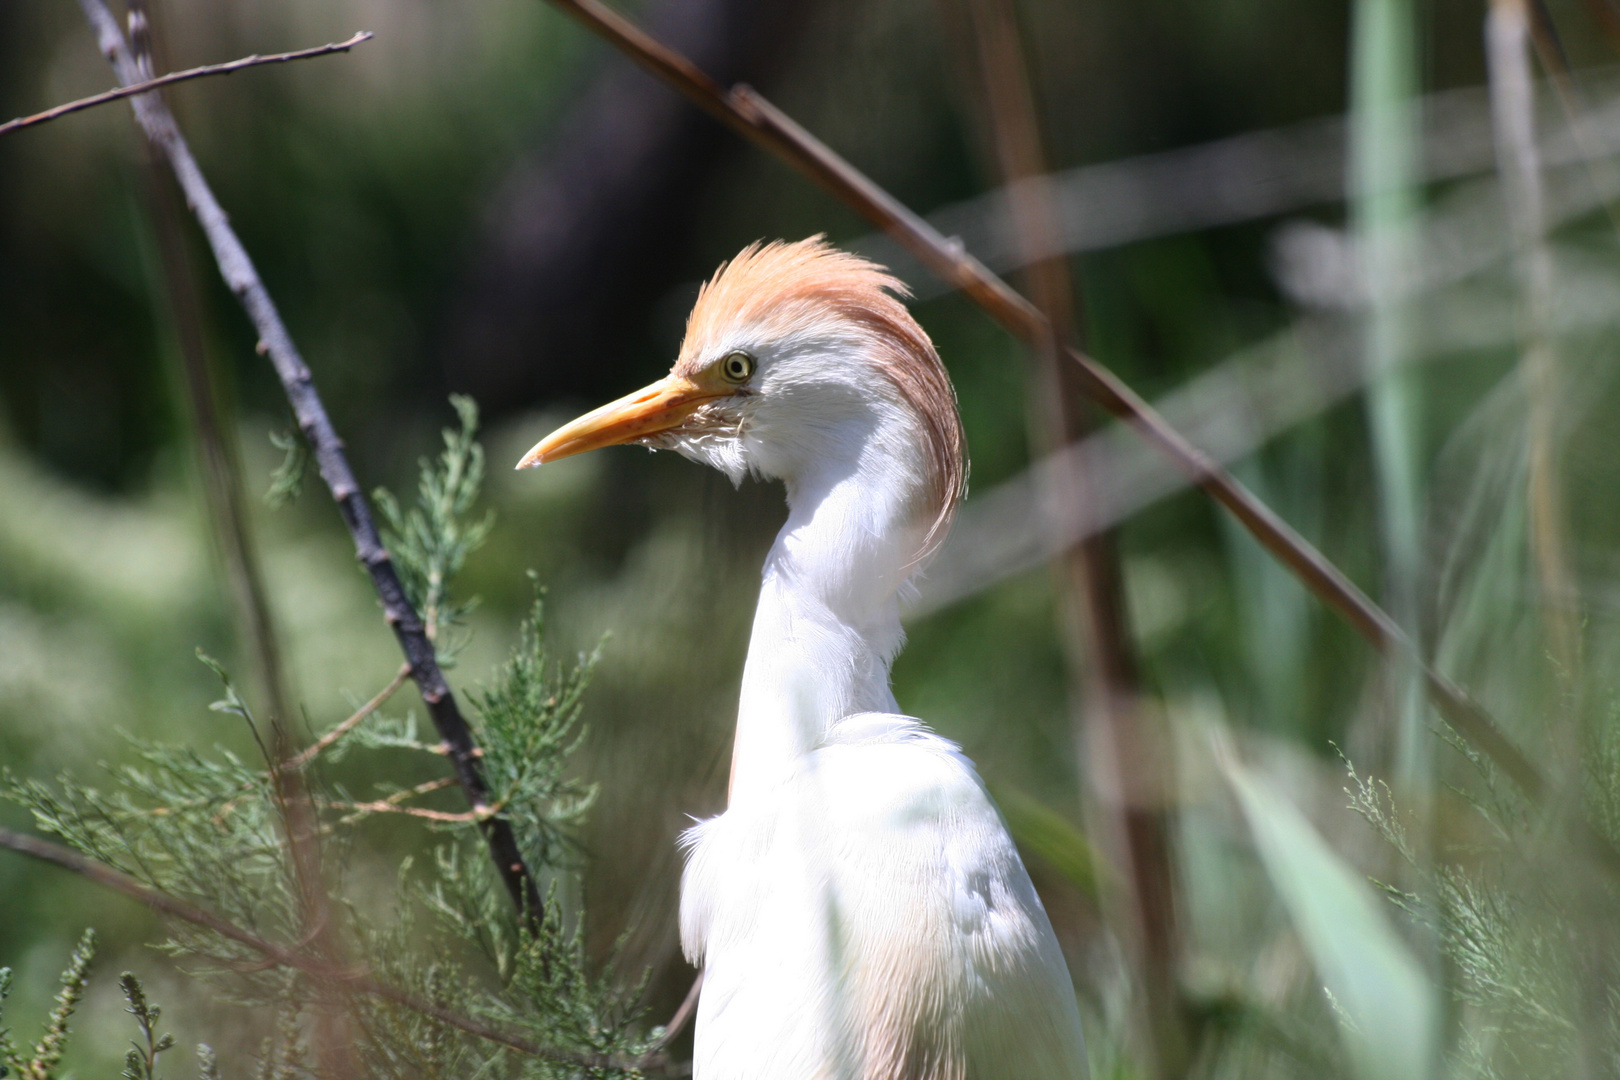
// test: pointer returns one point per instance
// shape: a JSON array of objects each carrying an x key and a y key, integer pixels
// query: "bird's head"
[{"x": 800, "y": 363}]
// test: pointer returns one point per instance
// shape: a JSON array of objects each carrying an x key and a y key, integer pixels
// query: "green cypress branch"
[
  {"x": 140, "y": 1063},
  {"x": 48, "y": 1053},
  {"x": 9, "y": 1062}
]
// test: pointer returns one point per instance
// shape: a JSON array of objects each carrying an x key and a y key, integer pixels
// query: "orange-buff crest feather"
[{"x": 778, "y": 289}]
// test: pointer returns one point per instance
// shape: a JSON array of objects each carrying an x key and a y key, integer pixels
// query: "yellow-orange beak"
[{"x": 652, "y": 409}]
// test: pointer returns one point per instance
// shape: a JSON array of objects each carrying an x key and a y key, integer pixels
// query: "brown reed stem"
[
  {"x": 1509, "y": 33},
  {"x": 223, "y": 496},
  {"x": 683, "y": 1016},
  {"x": 1117, "y": 735}
]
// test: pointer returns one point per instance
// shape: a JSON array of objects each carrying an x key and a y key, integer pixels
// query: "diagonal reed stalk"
[
  {"x": 210, "y": 422},
  {"x": 242, "y": 278},
  {"x": 746, "y": 112},
  {"x": 1120, "y": 743}
]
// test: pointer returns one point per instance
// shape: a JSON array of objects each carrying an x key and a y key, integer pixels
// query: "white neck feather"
[{"x": 828, "y": 623}]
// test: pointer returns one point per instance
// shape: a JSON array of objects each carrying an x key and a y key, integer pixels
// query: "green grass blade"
[
  {"x": 1384, "y": 158},
  {"x": 1387, "y": 1007}
]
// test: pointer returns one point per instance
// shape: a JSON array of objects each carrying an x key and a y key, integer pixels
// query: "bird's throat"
[{"x": 827, "y": 626}]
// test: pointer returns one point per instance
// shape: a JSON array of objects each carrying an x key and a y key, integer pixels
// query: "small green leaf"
[{"x": 288, "y": 478}]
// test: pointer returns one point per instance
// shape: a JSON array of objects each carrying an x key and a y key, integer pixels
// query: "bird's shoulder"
[
  {"x": 890, "y": 815},
  {"x": 874, "y": 777},
  {"x": 886, "y": 833},
  {"x": 891, "y": 773}
]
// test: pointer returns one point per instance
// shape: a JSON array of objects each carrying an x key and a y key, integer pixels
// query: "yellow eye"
[{"x": 737, "y": 367}]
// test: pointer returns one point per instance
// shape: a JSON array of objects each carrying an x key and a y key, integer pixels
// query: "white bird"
[{"x": 859, "y": 911}]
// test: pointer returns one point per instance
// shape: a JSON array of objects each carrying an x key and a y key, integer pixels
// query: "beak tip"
[{"x": 632, "y": 419}]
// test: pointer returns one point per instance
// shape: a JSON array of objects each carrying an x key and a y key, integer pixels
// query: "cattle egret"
[{"x": 859, "y": 910}]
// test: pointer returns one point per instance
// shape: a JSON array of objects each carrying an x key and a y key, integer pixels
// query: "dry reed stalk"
[
  {"x": 223, "y": 490},
  {"x": 1122, "y": 745}
]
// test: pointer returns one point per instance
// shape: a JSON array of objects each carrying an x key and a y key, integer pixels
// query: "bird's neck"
[{"x": 828, "y": 623}]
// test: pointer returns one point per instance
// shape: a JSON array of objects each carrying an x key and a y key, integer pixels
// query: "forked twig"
[
  {"x": 181, "y": 76},
  {"x": 391, "y": 805},
  {"x": 314, "y": 749},
  {"x": 237, "y": 268},
  {"x": 743, "y": 109}
]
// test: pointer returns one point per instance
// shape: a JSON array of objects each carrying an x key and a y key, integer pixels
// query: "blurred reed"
[
  {"x": 1383, "y": 194},
  {"x": 1122, "y": 750}
]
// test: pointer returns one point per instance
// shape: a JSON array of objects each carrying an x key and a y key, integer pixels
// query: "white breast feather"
[{"x": 873, "y": 921}]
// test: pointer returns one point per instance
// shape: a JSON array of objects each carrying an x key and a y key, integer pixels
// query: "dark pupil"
[{"x": 738, "y": 367}]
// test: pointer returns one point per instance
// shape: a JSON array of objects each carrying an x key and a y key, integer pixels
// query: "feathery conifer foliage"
[
  {"x": 431, "y": 541},
  {"x": 1537, "y": 991},
  {"x": 41, "y": 1062},
  {"x": 206, "y": 827}
]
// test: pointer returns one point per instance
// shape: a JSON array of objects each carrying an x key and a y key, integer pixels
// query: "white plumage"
[
  {"x": 873, "y": 920},
  {"x": 859, "y": 910}
]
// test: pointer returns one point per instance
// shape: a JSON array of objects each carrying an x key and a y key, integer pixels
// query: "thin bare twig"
[
  {"x": 425, "y": 788},
  {"x": 678, "y": 1022},
  {"x": 179, "y": 77},
  {"x": 422, "y": 789},
  {"x": 237, "y": 268},
  {"x": 316, "y": 748},
  {"x": 745, "y": 111},
  {"x": 391, "y": 805},
  {"x": 442, "y": 817},
  {"x": 353, "y": 979}
]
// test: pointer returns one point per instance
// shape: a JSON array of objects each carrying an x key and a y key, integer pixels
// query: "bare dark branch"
[
  {"x": 179, "y": 77},
  {"x": 274, "y": 341}
]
